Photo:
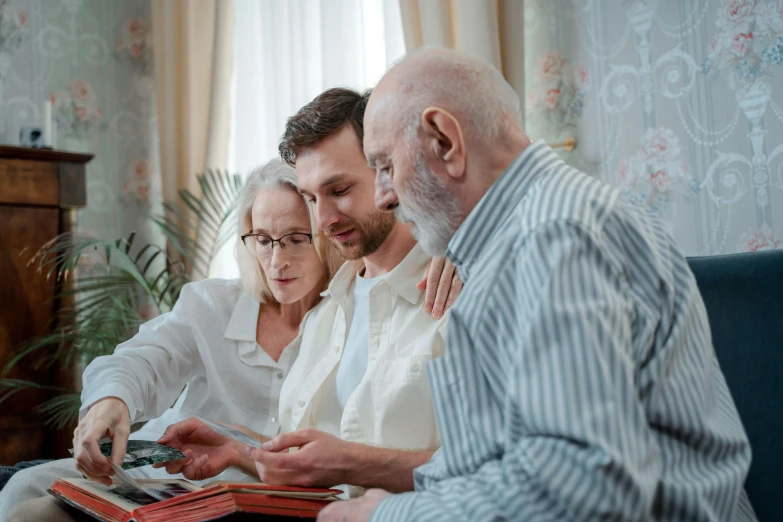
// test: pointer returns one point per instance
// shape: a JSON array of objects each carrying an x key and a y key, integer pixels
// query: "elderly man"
[{"x": 580, "y": 381}]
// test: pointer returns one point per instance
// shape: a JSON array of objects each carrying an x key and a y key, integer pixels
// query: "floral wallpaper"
[
  {"x": 680, "y": 104},
  {"x": 94, "y": 60}
]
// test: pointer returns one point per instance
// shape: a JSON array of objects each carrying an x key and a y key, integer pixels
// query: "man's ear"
[{"x": 443, "y": 137}]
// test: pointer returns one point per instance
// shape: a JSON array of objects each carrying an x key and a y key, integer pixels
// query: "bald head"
[{"x": 470, "y": 89}]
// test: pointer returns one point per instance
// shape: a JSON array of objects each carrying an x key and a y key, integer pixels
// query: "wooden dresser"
[{"x": 40, "y": 191}]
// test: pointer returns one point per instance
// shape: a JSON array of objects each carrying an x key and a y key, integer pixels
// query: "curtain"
[
  {"x": 193, "y": 73},
  {"x": 488, "y": 29},
  {"x": 289, "y": 52}
]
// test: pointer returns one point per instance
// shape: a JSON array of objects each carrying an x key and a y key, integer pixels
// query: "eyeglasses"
[{"x": 296, "y": 244}]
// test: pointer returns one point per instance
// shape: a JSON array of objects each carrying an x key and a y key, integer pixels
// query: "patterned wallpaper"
[
  {"x": 93, "y": 60},
  {"x": 680, "y": 103}
]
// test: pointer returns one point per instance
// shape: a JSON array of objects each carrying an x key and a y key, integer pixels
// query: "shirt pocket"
[{"x": 404, "y": 416}]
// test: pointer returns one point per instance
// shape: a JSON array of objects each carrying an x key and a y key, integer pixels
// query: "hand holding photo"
[{"x": 142, "y": 453}]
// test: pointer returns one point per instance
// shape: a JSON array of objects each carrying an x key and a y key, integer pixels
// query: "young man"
[
  {"x": 580, "y": 381},
  {"x": 361, "y": 374}
]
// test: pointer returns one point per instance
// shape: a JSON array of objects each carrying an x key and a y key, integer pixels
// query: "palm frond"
[
  {"x": 61, "y": 411},
  {"x": 10, "y": 387},
  {"x": 199, "y": 226}
]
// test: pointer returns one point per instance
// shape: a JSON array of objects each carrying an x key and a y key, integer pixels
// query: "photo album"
[{"x": 177, "y": 500}]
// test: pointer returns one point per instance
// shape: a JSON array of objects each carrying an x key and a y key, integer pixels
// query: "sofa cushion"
[{"x": 743, "y": 294}]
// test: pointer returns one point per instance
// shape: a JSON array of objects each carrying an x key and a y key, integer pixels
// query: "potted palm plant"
[{"x": 105, "y": 303}]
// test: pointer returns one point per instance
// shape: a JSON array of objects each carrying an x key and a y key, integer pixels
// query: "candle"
[{"x": 47, "y": 123}]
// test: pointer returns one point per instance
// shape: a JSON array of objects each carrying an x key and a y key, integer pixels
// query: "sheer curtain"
[{"x": 286, "y": 54}]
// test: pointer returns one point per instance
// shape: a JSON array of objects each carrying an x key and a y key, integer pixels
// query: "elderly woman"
[{"x": 221, "y": 353}]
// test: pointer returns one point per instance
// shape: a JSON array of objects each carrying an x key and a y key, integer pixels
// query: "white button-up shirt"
[
  {"x": 391, "y": 406},
  {"x": 206, "y": 345}
]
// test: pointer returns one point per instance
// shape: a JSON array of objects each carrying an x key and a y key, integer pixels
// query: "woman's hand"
[
  {"x": 108, "y": 417},
  {"x": 443, "y": 286},
  {"x": 207, "y": 453}
]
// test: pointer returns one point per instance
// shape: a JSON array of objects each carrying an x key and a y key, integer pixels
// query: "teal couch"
[{"x": 743, "y": 294}]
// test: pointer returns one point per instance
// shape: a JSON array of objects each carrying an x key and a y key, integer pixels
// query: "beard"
[
  {"x": 428, "y": 204},
  {"x": 372, "y": 232}
]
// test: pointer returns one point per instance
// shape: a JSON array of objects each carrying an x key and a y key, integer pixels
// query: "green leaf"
[
  {"x": 10, "y": 387},
  {"x": 61, "y": 411}
]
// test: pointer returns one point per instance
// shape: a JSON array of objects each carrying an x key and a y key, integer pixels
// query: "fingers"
[
  {"x": 82, "y": 447},
  {"x": 90, "y": 449},
  {"x": 90, "y": 459},
  {"x": 433, "y": 278},
  {"x": 330, "y": 513},
  {"x": 443, "y": 290},
  {"x": 290, "y": 440},
  {"x": 375, "y": 494},
  {"x": 169, "y": 435},
  {"x": 180, "y": 430},
  {"x": 189, "y": 467},
  {"x": 106, "y": 481},
  {"x": 198, "y": 469},
  {"x": 456, "y": 288},
  {"x": 175, "y": 466},
  {"x": 86, "y": 468},
  {"x": 119, "y": 443},
  {"x": 272, "y": 461},
  {"x": 269, "y": 465}
]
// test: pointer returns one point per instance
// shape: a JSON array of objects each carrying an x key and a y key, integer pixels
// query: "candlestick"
[{"x": 47, "y": 123}]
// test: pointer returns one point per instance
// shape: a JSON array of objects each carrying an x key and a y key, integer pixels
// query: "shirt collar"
[
  {"x": 402, "y": 279},
  {"x": 341, "y": 282},
  {"x": 481, "y": 224},
  {"x": 408, "y": 273},
  {"x": 242, "y": 325}
]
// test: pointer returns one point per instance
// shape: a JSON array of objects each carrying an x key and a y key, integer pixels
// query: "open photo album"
[{"x": 157, "y": 500}]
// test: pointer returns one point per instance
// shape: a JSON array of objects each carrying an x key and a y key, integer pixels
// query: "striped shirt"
[{"x": 580, "y": 381}]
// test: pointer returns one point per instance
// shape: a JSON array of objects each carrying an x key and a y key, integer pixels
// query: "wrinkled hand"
[
  {"x": 358, "y": 510},
  {"x": 443, "y": 286},
  {"x": 108, "y": 417},
  {"x": 322, "y": 460},
  {"x": 207, "y": 453}
]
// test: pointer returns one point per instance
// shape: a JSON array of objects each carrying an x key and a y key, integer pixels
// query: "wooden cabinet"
[{"x": 40, "y": 192}]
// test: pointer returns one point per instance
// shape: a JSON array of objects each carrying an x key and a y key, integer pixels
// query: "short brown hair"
[{"x": 326, "y": 115}]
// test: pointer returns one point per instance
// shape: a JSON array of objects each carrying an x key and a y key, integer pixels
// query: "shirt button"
[
  {"x": 415, "y": 367},
  {"x": 274, "y": 419},
  {"x": 300, "y": 403},
  {"x": 336, "y": 348},
  {"x": 279, "y": 375}
]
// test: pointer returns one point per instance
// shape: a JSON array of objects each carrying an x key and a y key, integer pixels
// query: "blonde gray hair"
[{"x": 274, "y": 175}]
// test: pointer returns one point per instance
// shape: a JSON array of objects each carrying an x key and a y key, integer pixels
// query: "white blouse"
[{"x": 206, "y": 345}]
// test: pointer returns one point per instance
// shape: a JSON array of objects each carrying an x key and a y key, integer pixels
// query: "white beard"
[{"x": 428, "y": 204}]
